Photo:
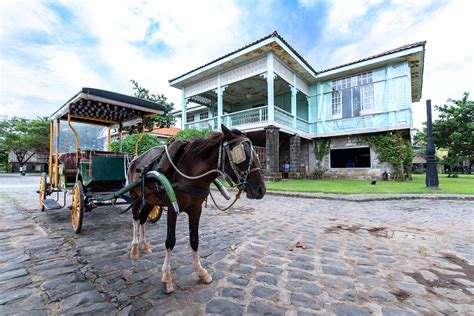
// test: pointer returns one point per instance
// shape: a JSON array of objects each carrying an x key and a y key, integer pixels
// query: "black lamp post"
[{"x": 431, "y": 172}]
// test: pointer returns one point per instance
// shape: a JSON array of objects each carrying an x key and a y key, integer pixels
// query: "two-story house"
[{"x": 268, "y": 90}]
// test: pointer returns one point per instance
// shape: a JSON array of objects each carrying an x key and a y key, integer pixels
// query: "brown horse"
[{"x": 231, "y": 153}]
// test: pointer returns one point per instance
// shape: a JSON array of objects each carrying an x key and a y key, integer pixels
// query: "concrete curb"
[{"x": 372, "y": 197}]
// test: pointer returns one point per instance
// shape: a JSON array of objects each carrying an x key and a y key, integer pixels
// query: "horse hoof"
[
  {"x": 165, "y": 289},
  {"x": 134, "y": 252},
  {"x": 207, "y": 279},
  {"x": 147, "y": 249}
]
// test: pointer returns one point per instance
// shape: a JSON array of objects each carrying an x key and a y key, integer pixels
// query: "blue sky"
[{"x": 50, "y": 49}]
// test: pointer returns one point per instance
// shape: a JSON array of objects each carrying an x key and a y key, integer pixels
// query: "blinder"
[{"x": 237, "y": 155}]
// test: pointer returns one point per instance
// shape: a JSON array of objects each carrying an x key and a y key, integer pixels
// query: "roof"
[
  {"x": 165, "y": 131},
  {"x": 275, "y": 34},
  {"x": 106, "y": 108},
  {"x": 388, "y": 52},
  {"x": 272, "y": 35}
]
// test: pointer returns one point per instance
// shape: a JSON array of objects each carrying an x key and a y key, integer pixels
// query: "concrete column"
[
  {"x": 220, "y": 102},
  {"x": 294, "y": 92},
  {"x": 272, "y": 153},
  {"x": 270, "y": 88},
  {"x": 183, "y": 111},
  {"x": 295, "y": 157}
]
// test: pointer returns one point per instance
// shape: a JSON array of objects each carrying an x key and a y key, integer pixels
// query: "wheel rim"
[
  {"x": 76, "y": 204},
  {"x": 155, "y": 212},
  {"x": 42, "y": 189}
]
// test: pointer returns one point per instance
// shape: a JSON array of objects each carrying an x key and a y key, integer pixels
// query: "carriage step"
[{"x": 51, "y": 204}]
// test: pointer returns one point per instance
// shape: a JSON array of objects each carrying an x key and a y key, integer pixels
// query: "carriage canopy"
[{"x": 105, "y": 108}]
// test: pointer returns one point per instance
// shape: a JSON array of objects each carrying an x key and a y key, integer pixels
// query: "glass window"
[
  {"x": 190, "y": 118},
  {"x": 353, "y": 96},
  {"x": 336, "y": 104},
  {"x": 203, "y": 116}
]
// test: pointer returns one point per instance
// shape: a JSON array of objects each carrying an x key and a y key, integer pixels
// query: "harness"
[{"x": 236, "y": 155}]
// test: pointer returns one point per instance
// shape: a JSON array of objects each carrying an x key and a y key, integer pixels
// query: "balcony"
[{"x": 254, "y": 118}]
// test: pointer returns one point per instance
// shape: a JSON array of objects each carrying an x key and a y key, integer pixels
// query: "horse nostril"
[{"x": 261, "y": 190}]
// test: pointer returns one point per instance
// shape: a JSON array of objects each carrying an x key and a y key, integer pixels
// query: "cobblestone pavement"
[{"x": 279, "y": 255}]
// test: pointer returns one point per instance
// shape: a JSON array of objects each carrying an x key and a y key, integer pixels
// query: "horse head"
[{"x": 242, "y": 164}]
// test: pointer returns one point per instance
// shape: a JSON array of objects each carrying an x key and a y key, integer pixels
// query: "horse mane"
[{"x": 202, "y": 146}]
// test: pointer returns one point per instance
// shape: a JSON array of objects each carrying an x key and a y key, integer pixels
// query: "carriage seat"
[{"x": 68, "y": 160}]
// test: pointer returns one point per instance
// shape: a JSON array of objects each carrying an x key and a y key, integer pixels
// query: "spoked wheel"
[
  {"x": 42, "y": 190},
  {"x": 155, "y": 214},
  {"x": 77, "y": 207}
]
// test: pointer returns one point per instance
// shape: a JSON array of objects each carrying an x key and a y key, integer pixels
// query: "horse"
[{"x": 229, "y": 153}]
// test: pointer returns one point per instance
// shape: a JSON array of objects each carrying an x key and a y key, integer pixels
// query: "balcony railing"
[
  {"x": 283, "y": 117},
  {"x": 246, "y": 117},
  {"x": 302, "y": 125},
  {"x": 210, "y": 123}
]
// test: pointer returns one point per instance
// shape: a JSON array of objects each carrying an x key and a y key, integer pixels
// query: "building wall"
[
  {"x": 392, "y": 104},
  {"x": 352, "y": 141}
]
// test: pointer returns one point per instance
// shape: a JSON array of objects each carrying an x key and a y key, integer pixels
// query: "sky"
[{"x": 51, "y": 49}]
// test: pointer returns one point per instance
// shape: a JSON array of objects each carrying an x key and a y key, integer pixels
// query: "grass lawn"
[{"x": 462, "y": 185}]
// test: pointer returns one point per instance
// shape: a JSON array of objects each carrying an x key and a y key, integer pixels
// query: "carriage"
[{"x": 93, "y": 174}]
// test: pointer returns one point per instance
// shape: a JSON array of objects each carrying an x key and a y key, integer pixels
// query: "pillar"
[
  {"x": 294, "y": 92},
  {"x": 272, "y": 153},
  {"x": 270, "y": 88},
  {"x": 431, "y": 172},
  {"x": 183, "y": 111},
  {"x": 295, "y": 157}
]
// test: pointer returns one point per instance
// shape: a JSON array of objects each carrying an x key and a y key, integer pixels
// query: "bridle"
[{"x": 236, "y": 155}]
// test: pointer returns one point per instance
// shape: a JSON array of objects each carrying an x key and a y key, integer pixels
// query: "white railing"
[
  {"x": 283, "y": 117},
  {"x": 302, "y": 125},
  {"x": 206, "y": 123},
  {"x": 246, "y": 117}
]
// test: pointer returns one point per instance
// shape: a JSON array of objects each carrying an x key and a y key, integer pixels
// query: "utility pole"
[{"x": 431, "y": 172}]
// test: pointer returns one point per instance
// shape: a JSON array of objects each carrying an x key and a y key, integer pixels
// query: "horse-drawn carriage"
[{"x": 92, "y": 175}]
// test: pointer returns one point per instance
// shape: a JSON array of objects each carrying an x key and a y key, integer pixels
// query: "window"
[
  {"x": 190, "y": 118},
  {"x": 350, "y": 158},
  {"x": 367, "y": 98},
  {"x": 352, "y": 96},
  {"x": 336, "y": 104},
  {"x": 203, "y": 116}
]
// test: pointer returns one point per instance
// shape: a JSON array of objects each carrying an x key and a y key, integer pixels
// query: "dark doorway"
[{"x": 350, "y": 158}]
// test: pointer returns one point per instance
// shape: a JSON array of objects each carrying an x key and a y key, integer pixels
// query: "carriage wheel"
[
  {"x": 155, "y": 214},
  {"x": 77, "y": 207},
  {"x": 42, "y": 190}
]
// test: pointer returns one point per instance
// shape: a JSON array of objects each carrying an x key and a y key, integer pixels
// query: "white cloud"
[
  {"x": 118, "y": 40},
  {"x": 192, "y": 33},
  {"x": 449, "y": 61}
]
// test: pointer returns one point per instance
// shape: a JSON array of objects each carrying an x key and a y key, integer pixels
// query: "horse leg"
[
  {"x": 166, "y": 281},
  {"x": 142, "y": 243},
  {"x": 136, "y": 219},
  {"x": 202, "y": 273}
]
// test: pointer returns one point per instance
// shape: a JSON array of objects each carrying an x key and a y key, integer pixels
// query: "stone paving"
[{"x": 280, "y": 255}]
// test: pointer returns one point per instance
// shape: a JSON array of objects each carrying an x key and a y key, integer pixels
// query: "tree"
[
  {"x": 164, "y": 120},
  {"x": 393, "y": 148},
  {"x": 194, "y": 133},
  {"x": 24, "y": 137},
  {"x": 128, "y": 143},
  {"x": 454, "y": 131},
  {"x": 321, "y": 148}
]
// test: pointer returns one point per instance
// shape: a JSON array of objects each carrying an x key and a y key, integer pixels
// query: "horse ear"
[{"x": 227, "y": 133}]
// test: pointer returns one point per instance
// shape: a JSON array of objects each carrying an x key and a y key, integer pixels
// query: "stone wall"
[{"x": 373, "y": 173}]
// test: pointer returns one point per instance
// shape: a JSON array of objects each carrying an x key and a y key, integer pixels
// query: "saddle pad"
[
  {"x": 173, "y": 149},
  {"x": 157, "y": 155}
]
